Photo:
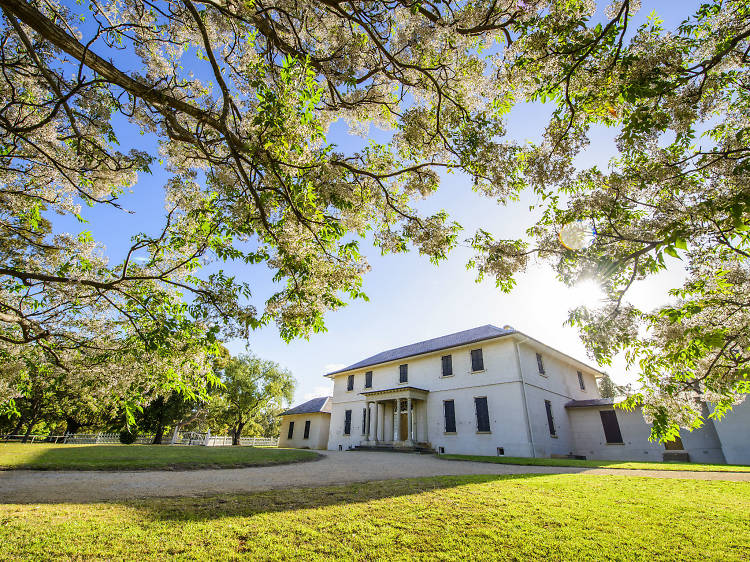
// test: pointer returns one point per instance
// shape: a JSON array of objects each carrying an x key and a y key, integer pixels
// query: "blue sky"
[{"x": 410, "y": 299}]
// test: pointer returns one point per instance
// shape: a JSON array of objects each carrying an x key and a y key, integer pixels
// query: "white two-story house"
[
  {"x": 483, "y": 391},
  {"x": 497, "y": 391}
]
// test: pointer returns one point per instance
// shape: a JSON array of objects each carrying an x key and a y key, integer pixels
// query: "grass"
[
  {"x": 522, "y": 517},
  {"x": 633, "y": 465},
  {"x": 139, "y": 457}
]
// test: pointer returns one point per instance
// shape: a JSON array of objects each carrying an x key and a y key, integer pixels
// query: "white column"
[
  {"x": 410, "y": 421},
  {"x": 368, "y": 425},
  {"x": 397, "y": 421},
  {"x": 375, "y": 424}
]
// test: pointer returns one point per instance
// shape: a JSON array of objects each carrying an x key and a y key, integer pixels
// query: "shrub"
[{"x": 128, "y": 437}]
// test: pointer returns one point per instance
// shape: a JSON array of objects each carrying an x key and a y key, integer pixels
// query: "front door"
[{"x": 404, "y": 427}]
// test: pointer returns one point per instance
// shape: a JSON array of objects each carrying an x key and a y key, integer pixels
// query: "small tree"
[{"x": 253, "y": 386}]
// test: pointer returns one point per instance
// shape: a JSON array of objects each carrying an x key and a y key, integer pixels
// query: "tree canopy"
[{"x": 241, "y": 96}]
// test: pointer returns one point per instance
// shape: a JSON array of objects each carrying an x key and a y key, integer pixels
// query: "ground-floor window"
[
  {"x": 290, "y": 433},
  {"x": 550, "y": 418},
  {"x": 611, "y": 426},
  {"x": 347, "y": 422},
  {"x": 364, "y": 421},
  {"x": 483, "y": 414},
  {"x": 449, "y": 412},
  {"x": 307, "y": 429}
]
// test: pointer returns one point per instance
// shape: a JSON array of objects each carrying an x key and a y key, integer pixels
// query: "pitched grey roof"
[
  {"x": 590, "y": 403},
  {"x": 313, "y": 406},
  {"x": 428, "y": 346}
]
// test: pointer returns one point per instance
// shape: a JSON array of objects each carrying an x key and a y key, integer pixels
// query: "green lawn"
[
  {"x": 135, "y": 457},
  {"x": 523, "y": 517},
  {"x": 635, "y": 465}
]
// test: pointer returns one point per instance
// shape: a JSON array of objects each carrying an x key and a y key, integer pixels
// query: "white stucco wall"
[
  {"x": 702, "y": 444},
  {"x": 500, "y": 382},
  {"x": 734, "y": 432},
  {"x": 319, "y": 428}
]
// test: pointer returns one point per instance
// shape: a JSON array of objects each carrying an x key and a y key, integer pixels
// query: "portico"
[{"x": 395, "y": 416}]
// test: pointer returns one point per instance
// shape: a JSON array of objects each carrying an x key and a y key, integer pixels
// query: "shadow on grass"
[{"x": 181, "y": 509}]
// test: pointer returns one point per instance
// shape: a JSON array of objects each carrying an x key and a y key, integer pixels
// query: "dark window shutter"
[
  {"x": 550, "y": 419},
  {"x": 540, "y": 363},
  {"x": 347, "y": 422},
  {"x": 368, "y": 379},
  {"x": 307, "y": 429},
  {"x": 483, "y": 415},
  {"x": 611, "y": 426},
  {"x": 364, "y": 421},
  {"x": 350, "y": 382},
  {"x": 403, "y": 373},
  {"x": 447, "y": 365},
  {"x": 477, "y": 361},
  {"x": 449, "y": 409},
  {"x": 580, "y": 381},
  {"x": 290, "y": 433}
]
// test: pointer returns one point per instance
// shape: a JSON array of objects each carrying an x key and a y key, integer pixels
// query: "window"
[
  {"x": 368, "y": 379},
  {"x": 611, "y": 426},
  {"x": 447, "y": 365},
  {"x": 550, "y": 418},
  {"x": 540, "y": 363},
  {"x": 290, "y": 433},
  {"x": 307, "y": 429},
  {"x": 675, "y": 445},
  {"x": 403, "y": 373},
  {"x": 477, "y": 361},
  {"x": 449, "y": 412},
  {"x": 350, "y": 382},
  {"x": 580, "y": 381},
  {"x": 364, "y": 421},
  {"x": 483, "y": 415},
  {"x": 347, "y": 422}
]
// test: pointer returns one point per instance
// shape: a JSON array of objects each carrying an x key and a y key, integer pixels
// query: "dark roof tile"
[{"x": 314, "y": 406}]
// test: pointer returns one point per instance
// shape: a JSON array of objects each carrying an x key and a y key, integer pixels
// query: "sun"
[{"x": 588, "y": 293}]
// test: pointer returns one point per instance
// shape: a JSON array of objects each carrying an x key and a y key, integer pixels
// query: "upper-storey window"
[
  {"x": 403, "y": 373},
  {"x": 477, "y": 361},
  {"x": 368, "y": 379},
  {"x": 580, "y": 381},
  {"x": 447, "y": 361},
  {"x": 350, "y": 382},
  {"x": 540, "y": 363}
]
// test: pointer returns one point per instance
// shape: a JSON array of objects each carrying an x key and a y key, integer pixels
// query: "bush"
[{"x": 128, "y": 437}]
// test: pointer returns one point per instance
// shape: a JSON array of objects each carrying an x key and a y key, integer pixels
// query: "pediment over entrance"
[{"x": 396, "y": 393}]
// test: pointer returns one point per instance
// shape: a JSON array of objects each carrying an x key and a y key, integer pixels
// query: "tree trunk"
[
  {"x": 31, "y": 425},
  {"x": 159, "y": 434},
  {"x": 71, "y": 425},
  {"x": 236, "y": 432}
]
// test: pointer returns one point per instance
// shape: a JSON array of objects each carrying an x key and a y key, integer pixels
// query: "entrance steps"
[{"x": 422, "y": 448}]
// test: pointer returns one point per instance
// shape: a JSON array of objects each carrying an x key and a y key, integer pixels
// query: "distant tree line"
[{"x": 245, "y": 399}]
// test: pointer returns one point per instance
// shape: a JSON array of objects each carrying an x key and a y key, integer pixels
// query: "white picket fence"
[{"x": 186, "y": 438}]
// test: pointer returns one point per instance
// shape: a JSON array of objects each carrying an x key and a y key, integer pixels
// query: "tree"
[
  {"x": 239, "y": 97},
  {"x": 254, "y": 389},
  {"x": 678, "y": 189}
]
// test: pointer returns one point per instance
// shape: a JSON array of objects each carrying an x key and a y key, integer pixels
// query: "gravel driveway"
[{"x": 22, "y": 486}]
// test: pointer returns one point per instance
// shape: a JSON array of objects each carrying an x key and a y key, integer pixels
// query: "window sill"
[
  {"x": 477, "y": 372},
  {"x": 545, "y": 375},
  {"x": 446, "y": 376},
  {"x": 484, "y": 432},
  {"x": 615, "y": 443},
  {"x": 449, "y": 433},
  {"x": 554, "y": 436},
  {"x": 404, "y": 382}
]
